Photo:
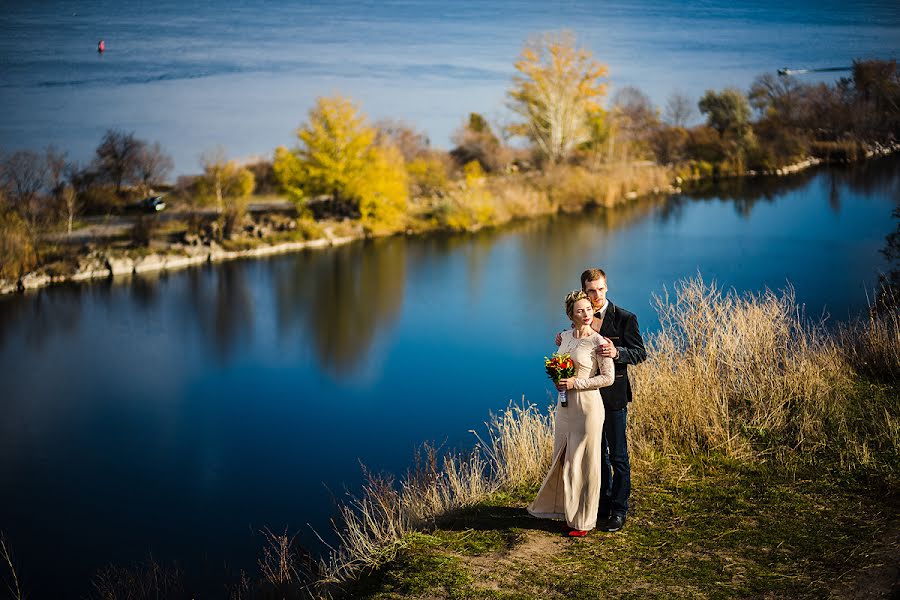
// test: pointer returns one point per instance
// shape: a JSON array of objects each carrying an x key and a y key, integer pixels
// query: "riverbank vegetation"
[{"x": 562, "y": 146}]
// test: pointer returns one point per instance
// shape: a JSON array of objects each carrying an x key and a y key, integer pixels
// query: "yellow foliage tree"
[
  {"x": 338, "y": 156},
  {"x": 557, "y": 92},
  {"x": 382, "y": 191}
]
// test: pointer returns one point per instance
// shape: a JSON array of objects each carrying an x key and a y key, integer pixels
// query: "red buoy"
[{"x": 101, "y": 46}]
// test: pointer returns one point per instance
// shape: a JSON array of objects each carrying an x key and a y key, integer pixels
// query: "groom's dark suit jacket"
[{"x": 621, "y": 327}]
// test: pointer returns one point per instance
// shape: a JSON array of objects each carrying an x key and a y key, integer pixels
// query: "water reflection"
[
  {"x": 221, "y": 305},
  {"x": 869, "y": 178},
  {"x": 341, "y": 300},
  {"x": 891, "y": 251},
  {"x": 48, "y": 312},
  {"x": 743, "y": 192}
]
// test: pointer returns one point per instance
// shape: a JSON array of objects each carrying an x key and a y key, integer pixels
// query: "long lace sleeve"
[{"x": 606, "y": 374}]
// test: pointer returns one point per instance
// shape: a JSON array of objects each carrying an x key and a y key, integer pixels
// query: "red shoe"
[{"x": 577, "y": 533}]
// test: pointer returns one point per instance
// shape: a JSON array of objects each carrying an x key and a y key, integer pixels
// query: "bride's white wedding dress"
[{"x": 571, "y": 489}]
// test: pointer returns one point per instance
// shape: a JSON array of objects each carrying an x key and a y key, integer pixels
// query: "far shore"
[{"x": 94, "y": 262}]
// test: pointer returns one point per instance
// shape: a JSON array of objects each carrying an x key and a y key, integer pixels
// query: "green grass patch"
[{"x": 706, "y": 527}]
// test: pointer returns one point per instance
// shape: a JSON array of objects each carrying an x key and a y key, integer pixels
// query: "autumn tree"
[
  {"x": 339, "y": 156},
  {"x": 476, "y": 140},
  {"x": 726, "y": 111},
  {"x": 557, "y": 91},
  {"x": 17, "y": 254}
]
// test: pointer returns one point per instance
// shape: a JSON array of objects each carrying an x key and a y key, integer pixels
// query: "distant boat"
[{"x": 786, "y": 71}]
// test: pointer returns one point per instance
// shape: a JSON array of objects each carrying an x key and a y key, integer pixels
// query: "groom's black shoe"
[{"x": 615, "y": 523}]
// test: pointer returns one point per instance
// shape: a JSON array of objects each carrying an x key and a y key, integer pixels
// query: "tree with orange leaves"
[{"x": 558, "y": 93}]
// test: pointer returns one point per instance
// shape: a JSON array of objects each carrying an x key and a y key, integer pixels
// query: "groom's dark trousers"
[{"x": 621, "y": 327}]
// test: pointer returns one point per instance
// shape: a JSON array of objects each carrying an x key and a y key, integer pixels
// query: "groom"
[{"x": 625, "y": 347}]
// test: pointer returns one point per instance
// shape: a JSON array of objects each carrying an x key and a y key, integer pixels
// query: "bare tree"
[
  {"x": 71, "y": 204},
  {"x": 152, "y": 165},
  {"x": 634, "y": 119},
  {"x": 475, "y": 140},
  {"x": 24, "y": 177},
  {"x": 679, "y": 109},
  {"x": 411, "y": 143},
  {"x": 117, "y": 157},
  {"x": 57, "y": 169}
]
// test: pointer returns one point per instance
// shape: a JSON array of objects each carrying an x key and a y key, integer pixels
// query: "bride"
[{"x": 571, "y": 490}]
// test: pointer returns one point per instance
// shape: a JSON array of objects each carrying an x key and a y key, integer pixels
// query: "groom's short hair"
[{"x": 592, "y": 275}]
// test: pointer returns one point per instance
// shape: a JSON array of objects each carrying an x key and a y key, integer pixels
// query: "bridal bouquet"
[{"x": 560, "y": 366}]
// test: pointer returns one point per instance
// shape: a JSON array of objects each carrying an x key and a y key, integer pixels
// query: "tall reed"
[
  {"x": 750, "y": 375},
  {"x": 372, "y": 525}
]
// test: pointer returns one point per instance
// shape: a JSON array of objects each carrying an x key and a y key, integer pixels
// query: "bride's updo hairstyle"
[{"x": 573, "y": 297}]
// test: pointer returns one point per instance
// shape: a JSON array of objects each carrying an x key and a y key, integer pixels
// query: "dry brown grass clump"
[
  {"x": 373, "y": 524},
  {"x": 572, "y": 188},
  {"x": 873, "y": 342},
  {"x": 750, "y": 375}
]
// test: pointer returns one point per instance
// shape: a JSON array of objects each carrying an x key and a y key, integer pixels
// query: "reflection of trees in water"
[
  {"x": 144, "y": 289},
  {"x": 891, "y": 251},
  {"x": 47, "y": 312},
  {"x": 875, "y": 177},
  {"x": 743, "y": 192},
  {"x": 433, "y": 251},
  {"x": 221, "y": 304},
  {"x": 345, "y": 296},
  {"x": 865, "y": 178},
  {"x": 555, "y": 251}
]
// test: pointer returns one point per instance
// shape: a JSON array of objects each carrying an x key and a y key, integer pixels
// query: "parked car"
[{"x": 152, "y": 204}]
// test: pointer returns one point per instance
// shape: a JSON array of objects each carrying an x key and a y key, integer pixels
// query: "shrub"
[
  {"x": 17, "y": 253},
  {"x": 427, "y": 176}
]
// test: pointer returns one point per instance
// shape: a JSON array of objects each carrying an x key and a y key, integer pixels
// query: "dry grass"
[
  {"x": 571, "y": 188},
  {"x": 15, "y": 591},
  {"x": 373, "y": 525},
  {"x": 144, "y": 581},
  {"x": 750, "y": 376},
  {"x": 873, "y": 342},
  {"x": 726, "y": 371}
]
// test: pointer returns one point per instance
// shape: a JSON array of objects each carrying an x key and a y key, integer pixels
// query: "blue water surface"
[{"x": 193, "y": 75}]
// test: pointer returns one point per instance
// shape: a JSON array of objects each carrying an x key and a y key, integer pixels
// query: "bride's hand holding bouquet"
[{"x": 561, "y": 369}]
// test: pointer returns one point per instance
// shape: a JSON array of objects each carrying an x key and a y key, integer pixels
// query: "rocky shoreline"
[{"x": 105, "y": 265}]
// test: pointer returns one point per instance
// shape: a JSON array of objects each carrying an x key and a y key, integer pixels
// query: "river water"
[
  {"x": 176, "y": 415},
  {"x": 193, "y": 75}
]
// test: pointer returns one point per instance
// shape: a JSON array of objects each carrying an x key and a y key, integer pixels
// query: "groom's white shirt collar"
[{"x": 602, "y": 311}]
